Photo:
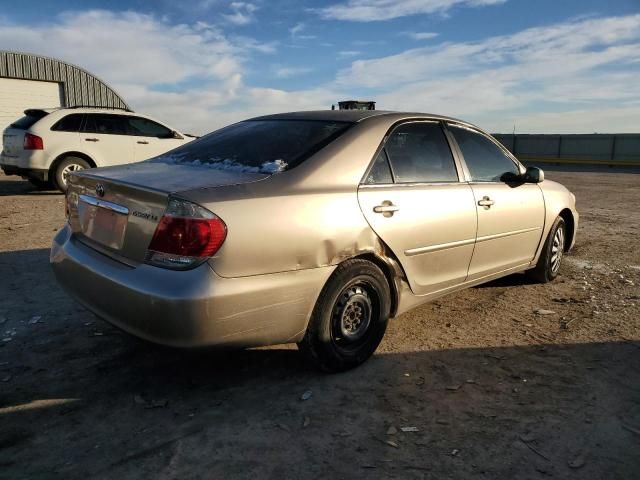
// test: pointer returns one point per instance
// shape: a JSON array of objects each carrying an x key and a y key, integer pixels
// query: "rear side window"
[
  {"x": 259, "y": 145},
  {"x": 70, "y": 123},
  {"x": 106, "y": 124},
  {"x": 419, "y": 152},
  {"x": 29, "y": 119},
  {"x": 380, "y": 171},
  {"x": 485, "y": 160},
  {"x": 147, "y": 128}
]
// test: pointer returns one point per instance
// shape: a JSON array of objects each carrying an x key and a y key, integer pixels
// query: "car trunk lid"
[{"x": 116, "y": 209}]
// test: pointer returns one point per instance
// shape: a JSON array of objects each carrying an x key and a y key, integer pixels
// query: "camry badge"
[{"x": 100, "y": 190}]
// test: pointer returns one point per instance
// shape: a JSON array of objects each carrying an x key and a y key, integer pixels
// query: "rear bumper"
[
  {"x": 27, "y": 159},
  {"x": 25, "y": 172},
  {"x": 32, "y": 164},
  {"x": 188, "y": 308}
]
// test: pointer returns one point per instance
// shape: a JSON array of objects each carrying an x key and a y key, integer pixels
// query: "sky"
[{"x": 533, "y": 66}]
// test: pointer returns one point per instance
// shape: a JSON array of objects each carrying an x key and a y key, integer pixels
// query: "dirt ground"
[{"x": 493, "y": 389}]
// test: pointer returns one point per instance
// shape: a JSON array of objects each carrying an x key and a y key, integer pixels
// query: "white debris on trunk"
[{"x": 227, "y": 164}]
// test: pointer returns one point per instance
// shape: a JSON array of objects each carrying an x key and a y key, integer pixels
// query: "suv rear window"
[
  {"x": 70, "y": 123},
  {"x": 30, "y": 118},
  {"x": 259, "y": 145}
]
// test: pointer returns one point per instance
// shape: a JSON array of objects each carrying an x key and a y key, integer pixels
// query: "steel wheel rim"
[
  {"x": 557, "y": 249},
  {"x": 72, "y": 167},
  {"x": 352, "y": 315}
]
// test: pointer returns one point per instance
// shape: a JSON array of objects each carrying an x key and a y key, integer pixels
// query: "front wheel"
[
  {"x": 67, "y": 166},
  {"x": 349, "y": 319},
  {"x": 552, "y": 253}
]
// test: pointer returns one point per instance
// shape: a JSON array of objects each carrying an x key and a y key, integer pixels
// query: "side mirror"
[{"x": 534, "y": 175}]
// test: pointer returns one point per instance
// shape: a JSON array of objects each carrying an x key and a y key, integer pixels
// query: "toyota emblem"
[{"x": 100, "y": 190}]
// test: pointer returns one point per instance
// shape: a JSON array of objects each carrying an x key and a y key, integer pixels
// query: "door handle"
[
  {"x": 486, "y": 202},
  {"x": 91, "y": 139},
  {"x": 143, "y": 142},
  {"x": 387, "y": 208}
]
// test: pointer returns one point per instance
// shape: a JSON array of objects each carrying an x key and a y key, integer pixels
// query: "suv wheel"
[
  {"x": 67, "y": 166},
  {"x": 350, "y": 317}
]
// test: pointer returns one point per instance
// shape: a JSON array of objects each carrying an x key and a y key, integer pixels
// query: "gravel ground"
[{"x": 487, "y": 387}]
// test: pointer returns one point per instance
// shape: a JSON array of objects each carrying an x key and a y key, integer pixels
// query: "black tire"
[
  {"x": 546, "y": 269},
  {"x": 41, "y": 184},
  {"x": 64, "y": 164},
  {"x": 349, "y": 318}
]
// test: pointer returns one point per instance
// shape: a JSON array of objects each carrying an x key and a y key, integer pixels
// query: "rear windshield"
[
  {"x": 29, "y": 119},
  {"x": 267, "y": 146}
]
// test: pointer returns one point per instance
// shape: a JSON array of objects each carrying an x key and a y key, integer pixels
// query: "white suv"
[{"x": 46, "y": 144}]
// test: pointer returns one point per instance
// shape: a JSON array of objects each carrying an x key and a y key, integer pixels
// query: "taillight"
[
  {"x": 32, "y": 142},
  {"x": 186, "y": 235}
]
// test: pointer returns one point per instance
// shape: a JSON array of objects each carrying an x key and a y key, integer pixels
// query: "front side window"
[
  {"x": 485, "y": 160},
  {"x": 144, "y": 127},
  {"x": 267, "y": 146},
  {"x": 419, "y": 152},
  {"x": 106, "y": 124},
  {"x": 70, "y": 123}
]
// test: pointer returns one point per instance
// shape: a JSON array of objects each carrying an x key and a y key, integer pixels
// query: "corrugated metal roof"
[{"x": 79, "y": 86}]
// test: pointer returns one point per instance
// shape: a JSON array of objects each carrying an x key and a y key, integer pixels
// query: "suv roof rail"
[{"x": 98, "y": 107}]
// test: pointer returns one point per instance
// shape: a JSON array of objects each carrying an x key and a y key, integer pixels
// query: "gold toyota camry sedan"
[{"x": 306, "y": 227}]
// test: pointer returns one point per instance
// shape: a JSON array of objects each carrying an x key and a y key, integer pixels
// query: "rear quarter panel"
[
  {"x": 55, "y": 143},
  {"x": 306, "y": 217},
  {"x": 290, "y": 231}
]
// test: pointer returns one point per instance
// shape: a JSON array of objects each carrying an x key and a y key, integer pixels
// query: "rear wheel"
[
  {"x": 552, "y": 253},
  {"x": 350, "y": 317},
  {"x": 67, "y": 166}
]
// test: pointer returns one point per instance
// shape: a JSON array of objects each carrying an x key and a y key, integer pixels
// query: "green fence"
[{"x": 621, "y": 149}]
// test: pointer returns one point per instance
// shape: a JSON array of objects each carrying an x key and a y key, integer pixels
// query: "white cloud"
[
  {"x": 349, "y": 53},
  {"x": 129, "y": 47},
  {"x": 297, "y": 28},
  {"x": 576, "y": 76},
  {"x": 603, "y": 120},
  {"x": 186, "y": 75},
  {"x": 247, "y": 44},
  {"x": 288, "y": 72},
  {"x": 366, "y": 43},
  {"x": 376, "y": 10},
  {"x": 208, "y": 107},
  {"x": 242, "y": 13},
  {"x": 421, "y": 35},
  {"x": 585, "y": 65},
  {"x": 207, "y": 4}
]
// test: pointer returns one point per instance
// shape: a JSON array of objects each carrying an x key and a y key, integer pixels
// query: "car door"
[
  {"x": 151, "y": 138},
  {"x": 510, "y": 212},
  {"x": 414, "y": 199},
  {"x": 104, "y": 137}
]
